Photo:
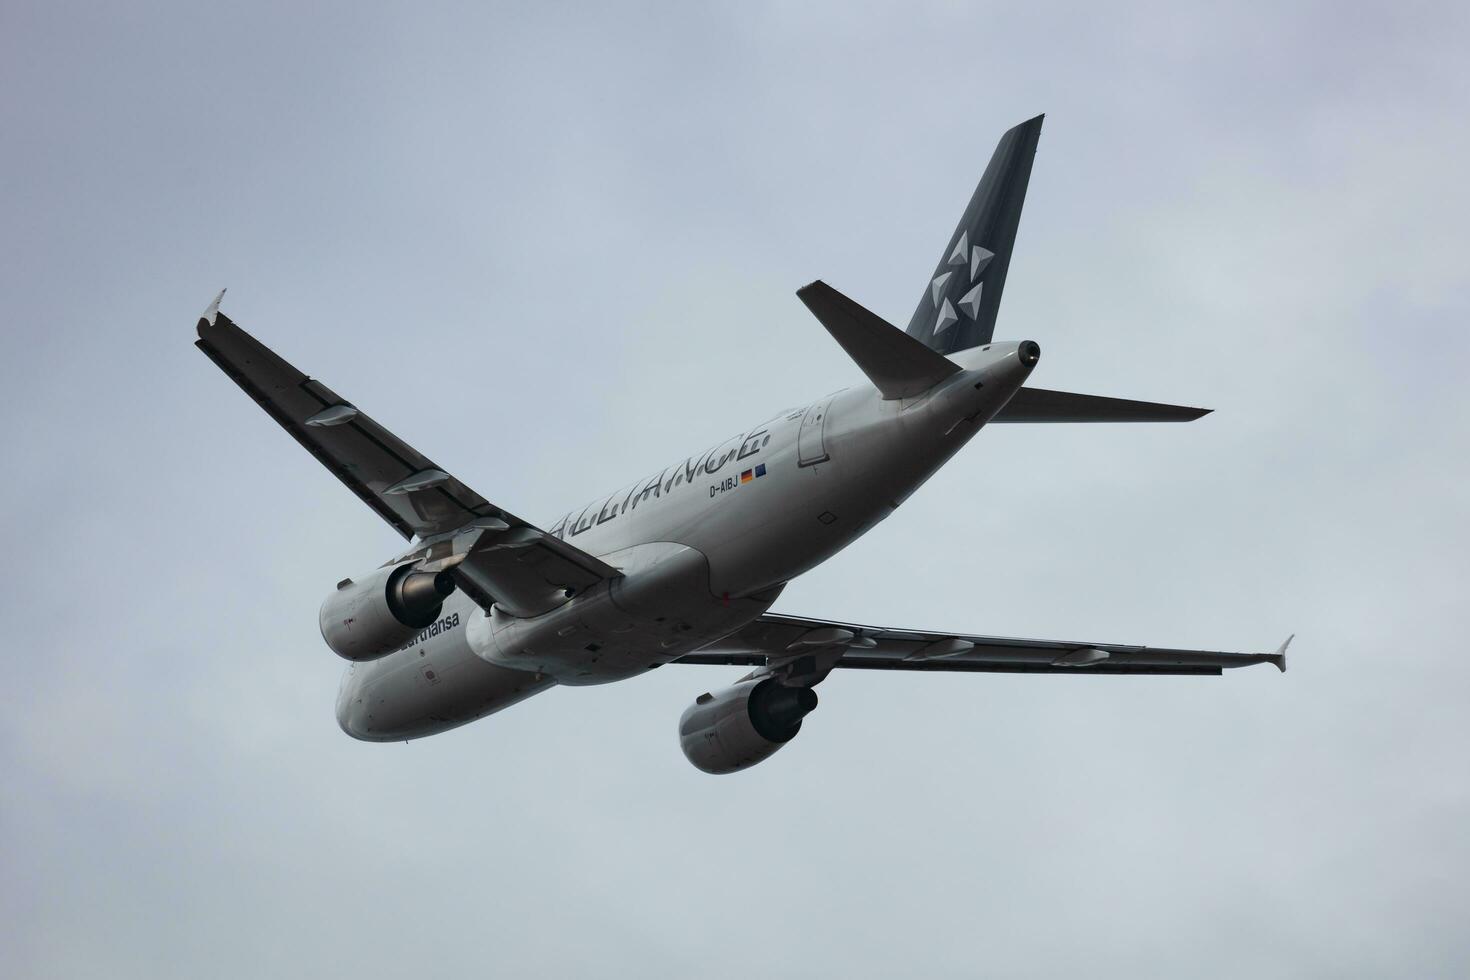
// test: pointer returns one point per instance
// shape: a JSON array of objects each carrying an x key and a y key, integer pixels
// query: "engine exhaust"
[
  {"x": 776, "y": 711},
  {"x": 416, "y": 597}
]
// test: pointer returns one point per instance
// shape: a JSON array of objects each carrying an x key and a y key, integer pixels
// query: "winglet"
[
  {"x": 209, "y": 315},
  {"x": 898, "y": 365},
  {"x": 1279, "y": 657}
]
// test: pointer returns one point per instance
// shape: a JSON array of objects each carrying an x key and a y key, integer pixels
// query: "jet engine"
[
  {"x": 372, "y": 617},
  {"x": 744, "y": 724}
]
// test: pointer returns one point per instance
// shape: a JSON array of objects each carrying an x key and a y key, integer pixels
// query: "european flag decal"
[{"x": 749, "y": 475}]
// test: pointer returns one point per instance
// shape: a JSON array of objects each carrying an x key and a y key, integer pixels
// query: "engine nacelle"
[
  {"x": 372, "y": 617},
  {"x": 744, "y": 724}
]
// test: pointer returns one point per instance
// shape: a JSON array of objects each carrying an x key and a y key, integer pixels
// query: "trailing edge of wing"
[
  {"x": 898, "y": 365},
  {"x": 735, "y": 659},
  {"x": 1042, "y": 405}
]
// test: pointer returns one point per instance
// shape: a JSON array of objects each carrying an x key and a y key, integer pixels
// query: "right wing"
[
  {"x": 805, "y": 647},
  {"x": 495, "y": 556},
  {"x": 1041, "y": 405}
]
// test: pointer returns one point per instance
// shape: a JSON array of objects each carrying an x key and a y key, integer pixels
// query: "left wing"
[
  {"x": 806, "y": 648},
  {"x": 495, "y": 556}
]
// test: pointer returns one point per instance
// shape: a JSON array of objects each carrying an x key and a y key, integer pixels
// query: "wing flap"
[{"x": 522, "y": 569}]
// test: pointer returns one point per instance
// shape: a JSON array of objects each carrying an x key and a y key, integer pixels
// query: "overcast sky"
[{"x": 554, "y": 246}]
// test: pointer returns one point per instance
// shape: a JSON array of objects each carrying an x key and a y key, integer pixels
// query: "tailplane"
[
  {"x": 962, "y": 297},
  {"x": 898, "y": 365},
  {"x": 1041, "y": 405}
]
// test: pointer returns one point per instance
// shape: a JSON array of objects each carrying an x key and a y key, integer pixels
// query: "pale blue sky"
[{"x": 553, "y": 246}]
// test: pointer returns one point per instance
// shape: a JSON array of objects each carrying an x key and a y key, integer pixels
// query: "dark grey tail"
[{"x": 962, "y": 297}]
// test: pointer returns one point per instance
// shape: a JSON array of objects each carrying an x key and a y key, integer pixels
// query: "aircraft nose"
[{"x": 1029, "y": 352}]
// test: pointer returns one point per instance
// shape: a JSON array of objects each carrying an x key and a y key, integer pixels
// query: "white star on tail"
[
  {"x": 957, "y": 257},
  {"x": 970, "y": 302},
  {"x": 936, "y": 288},
  {"x": 979, "y": 259},
  {"x": 947, "y": 319}
]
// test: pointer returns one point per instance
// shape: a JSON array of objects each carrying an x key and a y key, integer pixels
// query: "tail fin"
[{"x": 962, "y": 297}]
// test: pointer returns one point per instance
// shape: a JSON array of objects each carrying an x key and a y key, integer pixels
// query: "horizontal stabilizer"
[
  {"x": 1041, "y": 405},
  {"x": 898, "y": 365}
]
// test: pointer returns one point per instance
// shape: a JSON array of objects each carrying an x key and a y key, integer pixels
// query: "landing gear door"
[{"x": 811, "y": 444}]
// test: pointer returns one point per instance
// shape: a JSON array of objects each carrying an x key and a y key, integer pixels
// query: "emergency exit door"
[{"x": 811, "y": 442}]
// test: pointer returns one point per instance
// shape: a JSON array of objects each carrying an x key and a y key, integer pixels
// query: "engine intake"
[
  {"x": 744, "y": 724},
  {"x": 368, "y": 619}
]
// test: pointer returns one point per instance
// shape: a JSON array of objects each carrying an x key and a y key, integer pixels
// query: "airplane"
[{"x": 682, "y": 566}]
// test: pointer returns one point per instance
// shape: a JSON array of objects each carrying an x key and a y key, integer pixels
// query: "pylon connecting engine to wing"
[{"x": 372, "y": 617}]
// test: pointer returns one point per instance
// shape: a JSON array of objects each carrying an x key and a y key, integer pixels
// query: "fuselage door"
[{"x": 811, "y": 446}]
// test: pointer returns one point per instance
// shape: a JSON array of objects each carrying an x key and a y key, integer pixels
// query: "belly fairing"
[{"x": 659, "y": 609}]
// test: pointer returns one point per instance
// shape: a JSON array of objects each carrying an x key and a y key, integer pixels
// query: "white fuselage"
[{"x": 704, "y": 546}]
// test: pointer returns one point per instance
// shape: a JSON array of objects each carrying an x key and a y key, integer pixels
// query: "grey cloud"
[{"x": 553, "y": 247}]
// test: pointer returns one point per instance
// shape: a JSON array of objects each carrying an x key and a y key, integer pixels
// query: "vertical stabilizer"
[{"x": 962, "y": 296}]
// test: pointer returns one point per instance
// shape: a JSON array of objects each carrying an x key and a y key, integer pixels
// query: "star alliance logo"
[{"x": 978, "y": 259}]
